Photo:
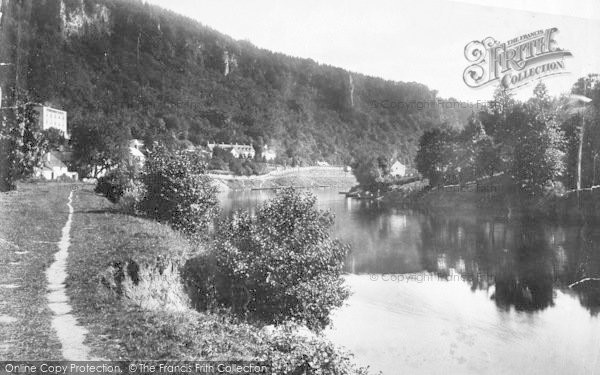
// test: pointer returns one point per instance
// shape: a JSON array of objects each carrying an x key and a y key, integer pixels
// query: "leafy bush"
[
  {"x": 112, "y": 185},
  {"x": 218, "y": 164},
  {"x": 246, "y": 167},
  {"x": 292, "y": 353},
  {"x": 132, "y": 196},
  {"x": 282, "y": 264},
  {"x": 178, "y": 191}
]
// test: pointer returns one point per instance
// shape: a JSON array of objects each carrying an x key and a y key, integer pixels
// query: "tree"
[
  {"x": 285, "y": 260},
  {"x": 54, "y": 138},
  {"x": 178, "y": 191},
  {"x": 487, "y": 158},
  {"x": 538, "y": 155},
  {"x": 434, "y": 156},
  {"x": 99, "y": 143},
  {"x": 571, "y": 125},
  {"x": 370, "y": 171},
  {"x": 23, "y": 143}
]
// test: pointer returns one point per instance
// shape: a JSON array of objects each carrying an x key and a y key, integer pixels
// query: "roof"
[
  {"x": 52, "y": 160},
  {"x": 228, "y": 145},
  {"x": 136, "y": 153}
]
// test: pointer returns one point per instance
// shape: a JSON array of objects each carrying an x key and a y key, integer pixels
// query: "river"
[{"x": 459, "y": 294}]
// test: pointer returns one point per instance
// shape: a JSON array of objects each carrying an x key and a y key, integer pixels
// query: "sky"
[{"x": 412, "y": 41}]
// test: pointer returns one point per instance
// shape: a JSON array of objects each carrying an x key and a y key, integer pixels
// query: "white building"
[
  {"x": 238, "y": 151},
  {"x": 53, "y": 168},
  {"x": 135, "y": 152},
  {"x": 49, "y": 117},
  {"x": 267, "y": 154},
  {"x": 398, "y": 169}
]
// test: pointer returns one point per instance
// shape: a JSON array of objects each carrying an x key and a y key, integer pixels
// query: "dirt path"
[
  {"x": 31, "y": 219},
  {"x": 70, "y": 333}
]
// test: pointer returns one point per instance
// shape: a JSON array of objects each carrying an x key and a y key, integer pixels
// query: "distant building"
[
  {"x": 267, "y": 154},
  {"x": 135, "y": 152},
  {"x": 398, "y": 169},
  {"x": 53, "y": 168},
  {"x": 238, "y": 151},
  {"x": 49, "y": 117},
  {"x": 322, "y": 164},
  {"x": 137, "y": 144}
]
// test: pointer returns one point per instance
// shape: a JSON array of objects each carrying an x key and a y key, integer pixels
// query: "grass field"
[
  {"x": 31, "y": 219},
  {"x": 125, "y": 289},
  {"x": 121, "y": 329}
]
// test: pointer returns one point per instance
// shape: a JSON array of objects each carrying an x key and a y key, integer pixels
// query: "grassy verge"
[
  {"x": 125, "y": 289},
  {"x": 121, "y": 329},
  {"x": 300, "y": 179},
  {"x": 105, "y": 243},
  {"x": 31, "y": 219}
]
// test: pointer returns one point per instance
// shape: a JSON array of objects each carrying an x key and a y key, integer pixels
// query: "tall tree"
[
  {"x": 99, "y": 143},
  {"x": 22, "y": 141}
]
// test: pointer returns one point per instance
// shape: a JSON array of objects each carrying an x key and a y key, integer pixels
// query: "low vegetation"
[
  {"x": 283, "y": 262},
  {"x": 31, "y": 219},
  {"x": 161, "y": 289},
  {"x": 177, "y": 190}
]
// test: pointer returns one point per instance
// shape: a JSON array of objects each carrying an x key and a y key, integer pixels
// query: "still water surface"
[{"x": 457, "y": 294}]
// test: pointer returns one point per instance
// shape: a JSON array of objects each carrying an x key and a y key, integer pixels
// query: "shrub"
[
  {"x": 291, "y": 352},
  {"x": 132, "y": 196},
  {"x": 217, "y": 163},
  {"x": 178, "y": 191},
  {"x": 284, "y": 261},
  {"x": 112, "y": 185}
]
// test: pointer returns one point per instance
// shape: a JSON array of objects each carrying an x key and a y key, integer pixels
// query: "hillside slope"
[{"x": 163, "y": 76}]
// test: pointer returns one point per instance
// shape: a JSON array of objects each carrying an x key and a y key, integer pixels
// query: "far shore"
[{"x": 300, "y": 177}]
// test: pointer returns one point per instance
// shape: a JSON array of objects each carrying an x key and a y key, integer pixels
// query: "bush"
[
  {"x": 178, "y": 191},
  {"x": 290, "y": 352},
  {"x": 132, "y": 196},
  {"x": 112, "y": 185},
  {"x": 282, "y": 264},
  {"x": 217, "y": 163},
  {"x": 236, "y": 167}
]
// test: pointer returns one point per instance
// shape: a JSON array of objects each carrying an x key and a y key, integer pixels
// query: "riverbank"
[
  {"x": 571, "y": 205},
  {"x": 301, "y": 177},
  {"x": 125, "y": 288}
]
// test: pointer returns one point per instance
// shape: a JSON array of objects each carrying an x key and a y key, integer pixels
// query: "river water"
[{"x": 462, "y": 294}]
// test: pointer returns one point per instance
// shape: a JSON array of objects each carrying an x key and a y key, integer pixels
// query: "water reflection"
[{"x": 520, "y": 263}]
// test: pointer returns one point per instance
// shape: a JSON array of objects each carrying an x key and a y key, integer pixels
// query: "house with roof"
[
  {"x": 52, "y": 168},
  {"x": 398, "y": 169},
  {"x": 238, "y": 151},
  {"x": 136, "y": 147},
  {"x": 268, "y": 154}
]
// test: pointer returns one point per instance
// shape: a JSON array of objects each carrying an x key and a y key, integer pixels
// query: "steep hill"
[{"x": 159, "y": 74}]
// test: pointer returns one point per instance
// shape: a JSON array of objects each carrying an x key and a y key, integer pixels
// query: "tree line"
[
  {"x": 150, "y": 74},
  {"x": 535, "y": 142}
]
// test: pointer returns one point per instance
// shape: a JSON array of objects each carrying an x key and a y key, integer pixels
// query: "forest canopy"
[{"x": 162, "y": 76}]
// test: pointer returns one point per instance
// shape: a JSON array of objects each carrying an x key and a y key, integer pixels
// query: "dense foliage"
[
  {"x": 282, "y": 261},
  {"x": 22, "y": 144},
  {"x": 112, "y": 185},
  {"x": 147, "y": 73},
  {"x": 371, "y": 171},
  {"x": 535, "y": 143},
  {"x": 177, "y": 191}
]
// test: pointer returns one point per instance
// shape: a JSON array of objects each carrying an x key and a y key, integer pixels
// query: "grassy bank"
[
  {"x": 307, "y": 177},
  {"x": 125, "y": 287},
  {"x": 107, "y": 248},
  {"x": 505, "y": 201},
  {"x": 31, "y": 219}
]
